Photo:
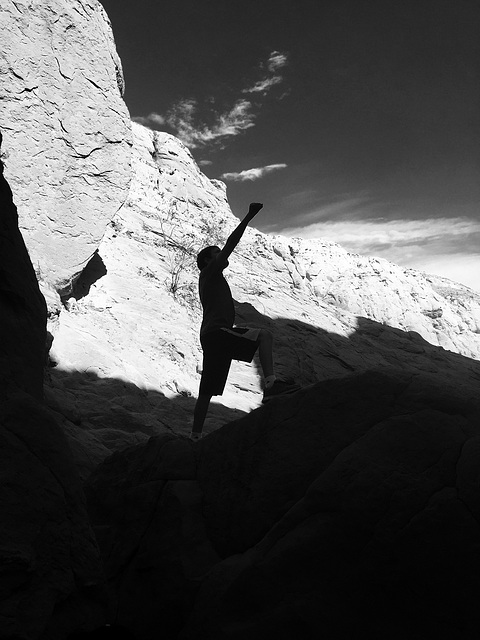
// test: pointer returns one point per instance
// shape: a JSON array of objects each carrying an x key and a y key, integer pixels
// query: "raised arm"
[{"x": 235, "y": 236}]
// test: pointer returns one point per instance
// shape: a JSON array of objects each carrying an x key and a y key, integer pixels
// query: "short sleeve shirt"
[{"x": 216, "y": 298}]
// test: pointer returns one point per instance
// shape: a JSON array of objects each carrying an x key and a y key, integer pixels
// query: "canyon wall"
[{"x": 66, "y": 130}]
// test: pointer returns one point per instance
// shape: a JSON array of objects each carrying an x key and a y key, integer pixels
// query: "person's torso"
[{"x": 217, "y": 302}]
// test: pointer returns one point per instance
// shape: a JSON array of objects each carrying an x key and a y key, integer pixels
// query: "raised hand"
[{"x": 254, "y": 208}]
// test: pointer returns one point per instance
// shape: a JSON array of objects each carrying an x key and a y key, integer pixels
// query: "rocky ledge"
[{"x": 349, "y": 509}]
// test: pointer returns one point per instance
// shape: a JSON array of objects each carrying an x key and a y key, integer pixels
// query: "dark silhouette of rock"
[
  {"x": 107, "y": 632},
  {"x": 349, "y": 509},
  {"x": 23, "y": 310},
  {"x": 50, "y": 571}
]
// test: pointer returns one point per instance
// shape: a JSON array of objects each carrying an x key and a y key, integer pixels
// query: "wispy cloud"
[
  {"x": 183, "y": 118},
  {"x": 370, "y": 234},
  {"x": 252, "y": 174},
  {"x": 262, "y": 86},
  {"x": 271, "y": 77},
  {"x": 198, "y": 127},
  {"x": 153, "y": 120},
  {"x": 350, "y": 206},
  {"x": 445, "y": 246},
  {"x": 277, "y": 61}
]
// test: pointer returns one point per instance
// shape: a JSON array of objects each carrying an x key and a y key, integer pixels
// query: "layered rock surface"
[
  {"x": 291, "y": 521},
  {"x": 66, "y": 129},
  {"x": 23, "y": 315},
  {"x": 349, "y": 509},
  {"x": 130, "y": 334},
  {"x": 49, "y": 559}
]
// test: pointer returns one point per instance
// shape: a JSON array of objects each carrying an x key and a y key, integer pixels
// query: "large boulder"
[
  {"x": 50, "y": 571},
  {"x": 23, "y": 311},
  {"x": 51, "y": 579},
  {"x": 66, "y": 127},
  {"x": 349, "y": 509}
]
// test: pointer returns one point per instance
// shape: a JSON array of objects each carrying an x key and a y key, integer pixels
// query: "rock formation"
[
  {"x": 130, "y": 333},
  {"x": 349, "y": 509},
  {"x": 49, "y": 560},
  {"x": 23, "y": 315},
  {"x": 66, "y": 129}
]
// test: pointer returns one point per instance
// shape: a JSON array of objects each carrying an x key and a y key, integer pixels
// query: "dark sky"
[{"x": 369, "y": 117}]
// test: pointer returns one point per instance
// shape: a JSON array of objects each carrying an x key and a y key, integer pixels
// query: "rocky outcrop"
[
  {"x": 127, "y": 348},
  {"x": 67, "y": 132},
  {"x": 23, "y": 310},
  {"x": 348, "y": 509},
  {"x": 51, "y": 577},
  {"x": 131, "y": 336},
  {"x": 50, "y": 570}
]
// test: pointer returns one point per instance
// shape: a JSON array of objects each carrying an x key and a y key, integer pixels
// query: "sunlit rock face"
[
  {"x": 129, "y": 335},
  {"x": 66, "y": 129}
]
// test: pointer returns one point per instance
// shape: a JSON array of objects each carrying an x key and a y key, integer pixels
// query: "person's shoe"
[
  {"x": 196, "y": 435},
  {"x": 280, "y": 388}
]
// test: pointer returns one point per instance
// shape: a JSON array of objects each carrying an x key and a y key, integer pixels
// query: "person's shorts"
[{"x": 219, "y": 349}]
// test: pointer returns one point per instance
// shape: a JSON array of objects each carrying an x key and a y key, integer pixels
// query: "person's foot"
[
  {"x": 280, "y": 388},
  {"x": 196, "y": 435}
]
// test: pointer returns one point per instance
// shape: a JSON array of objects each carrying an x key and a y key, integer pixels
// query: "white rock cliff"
[
  {"x": 66, "y": 129},
  {"x": 126, "y": 350},
  {"x": 332, "y": 312}
]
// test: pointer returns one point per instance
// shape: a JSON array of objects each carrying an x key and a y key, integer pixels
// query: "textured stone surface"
[
  {"x": 349, "y": 509},
  {"x": 49, "y": 559},
  {"x": 23, "y": 311},
  {"x": 66, "y": 129},
  {"x": 127, "y": 345}
]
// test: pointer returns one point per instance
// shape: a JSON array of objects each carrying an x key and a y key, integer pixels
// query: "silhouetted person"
[{"x": 221, "y": 341}]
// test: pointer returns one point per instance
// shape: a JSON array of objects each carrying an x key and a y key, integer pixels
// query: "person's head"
[{"x": 205, "y": 255}]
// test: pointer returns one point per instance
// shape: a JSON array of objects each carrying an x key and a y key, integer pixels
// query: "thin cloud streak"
[
  {"x": 445, "y": 246},
  {"x": 263, "y": 86},
  {"x": 183, "y": 119},
  {"x": 251, "y": 174},
  {"x": 186, "y": 120},
  {"x": 275, "y": 62},
  {"x": 348, "y": 206},
  {"x": 371, "y": 233},
  {"x": 152, "y": 121}
]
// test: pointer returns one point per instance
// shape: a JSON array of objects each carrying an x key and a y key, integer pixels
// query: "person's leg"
[
  {"x": 272, "y": 386},
  {"x": 216, "y": 364},
  {"x": 244, "y": 349},
  {"x": 200, "y": 413}
]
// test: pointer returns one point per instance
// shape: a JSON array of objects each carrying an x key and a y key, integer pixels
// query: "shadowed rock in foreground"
[
  {"x": 349, "y": 509},
  {"x": 49, "y": 562}
]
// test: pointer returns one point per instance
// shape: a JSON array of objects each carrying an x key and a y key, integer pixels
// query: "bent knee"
[{"x": 265, "y": 335}]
